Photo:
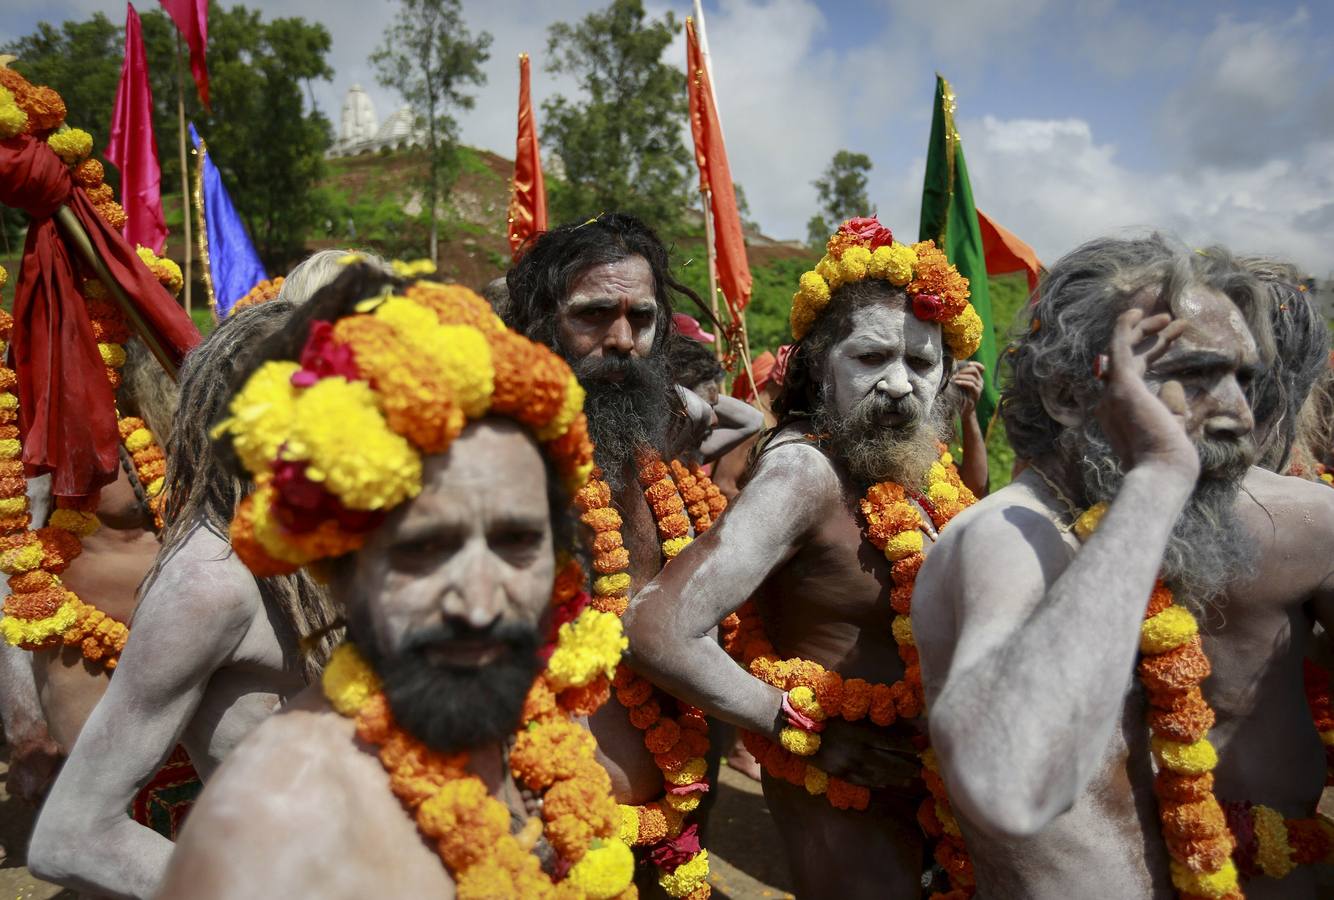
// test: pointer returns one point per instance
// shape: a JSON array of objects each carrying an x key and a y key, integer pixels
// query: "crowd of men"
[{"x": 1158, "y": 399}]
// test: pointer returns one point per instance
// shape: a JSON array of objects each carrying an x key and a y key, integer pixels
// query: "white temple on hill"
[{"x": 360, "y": 132}]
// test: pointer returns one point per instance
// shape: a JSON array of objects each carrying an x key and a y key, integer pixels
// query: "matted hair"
[
  {"x": 319, "y": 269},
  {"x": 551, "y": 262},
  {"x": 1074, "y": 313},
  {"x": 147, "y": 391},
  {"x": 1301, "y": 355},
  {"x": 201, "y": 492}
]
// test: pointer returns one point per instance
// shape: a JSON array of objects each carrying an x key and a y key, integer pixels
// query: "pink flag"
[
  {"x": 191, "y": 18},
  {"x": 132, "y": 147}
]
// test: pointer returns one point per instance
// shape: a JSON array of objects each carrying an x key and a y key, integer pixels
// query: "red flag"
[
  {"x": 715, "y": 176},
  {"x": 1005, "y": 252},
  {"x": 528, "y": 197},
  {"x": 132, "y": 147},
  {"x": 191, "y": 18}
]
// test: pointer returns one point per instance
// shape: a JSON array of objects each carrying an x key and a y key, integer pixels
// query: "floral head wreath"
[
  {"x": 334, "y": 440},
  {"x": 863, "y": 248}
]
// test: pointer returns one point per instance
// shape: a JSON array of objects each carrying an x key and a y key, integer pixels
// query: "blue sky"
[{"x": 1214, "y": 120}]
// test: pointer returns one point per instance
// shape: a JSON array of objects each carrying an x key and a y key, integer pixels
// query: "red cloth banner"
[
  {"x": 67, "y": 414},
  {"x": 1005, "y": 252},
  {"x": 715, "y": 177},
  {"x": 191, "y": 18},
  {"x": 133, "y": 148},
  {"x": 528, "y": 196}
]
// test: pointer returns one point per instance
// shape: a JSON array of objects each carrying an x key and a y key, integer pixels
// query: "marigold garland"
[
  {"x": 892, "y": 525},
  {"x": 863, "y": 248},
  {"x": 471, "y": 829},
  {"x": 674, "y": 732},
  {"x": 263, "y": 292}
]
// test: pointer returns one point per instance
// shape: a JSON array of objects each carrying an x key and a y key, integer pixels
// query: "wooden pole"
[
  {"x": 73, "y": 228},
  {"x": 713, "y": 268},
  {"x": 185, "y": 171}
]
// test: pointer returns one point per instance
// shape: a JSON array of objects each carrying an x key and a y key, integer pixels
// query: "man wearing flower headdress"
[
  {"x": 424, "y": 458},
  {"x": 848, "y": 490},
  {"x": 1068, "y": 624}
]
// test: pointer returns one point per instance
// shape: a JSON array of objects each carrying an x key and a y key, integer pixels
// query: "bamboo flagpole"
[
  {"x": 185, "y": 170},
  {"x": 713, "y": 271}
]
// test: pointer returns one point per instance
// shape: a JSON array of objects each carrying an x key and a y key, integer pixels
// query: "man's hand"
[
  {"x": 968, "y": 378},
  {"x": 1144, "y": 429},
  {"x": 868, "y": 755},
  {"x": 697, "y": 421},
  {"x": 33, "y": 762}
]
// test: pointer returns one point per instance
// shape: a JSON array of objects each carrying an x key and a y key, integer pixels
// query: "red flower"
[
  {"x": 303, "y": 505},
  {"x": 869, "y": 229},
  {"x": 671, "y": 855},
  {"x": 323, "y": 357},
  {"x": 926, "y": 307}
]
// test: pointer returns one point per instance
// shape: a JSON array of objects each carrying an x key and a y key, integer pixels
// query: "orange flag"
[
  {"x": 528, "y": 196},
  {"x": 715, "y": 177},
  {"x": 1005, "y": 252}
]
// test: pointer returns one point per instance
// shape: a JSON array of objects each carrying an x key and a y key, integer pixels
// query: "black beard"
[
  {"x": 451, "y": 708},
  {"x": 1208, "y": 548},
  {"x": 624, "y": 415},
  {"x": 874, "y": 451}
]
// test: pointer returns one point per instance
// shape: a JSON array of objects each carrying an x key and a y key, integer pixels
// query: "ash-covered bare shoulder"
[
  {"x": 201, "y": 576},
  {"x": 791, "y": 457}
]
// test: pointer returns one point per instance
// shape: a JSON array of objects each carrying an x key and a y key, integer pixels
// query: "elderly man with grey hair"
[{"x": 1064, "y": 655}]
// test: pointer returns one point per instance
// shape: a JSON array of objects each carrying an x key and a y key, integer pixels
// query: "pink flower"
[
  {"x": 303, "y": 505},
  {"x": 323, "y": 357},
  {"x": 671, "y": 855},
  {"x": 926, "y": 307},
  {"x": 868, "y": 229}
]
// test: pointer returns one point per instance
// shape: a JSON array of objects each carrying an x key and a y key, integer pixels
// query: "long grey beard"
[
  {"x": 1208, "y": 548},
  {"x": 874, "y": 452},
  {"x": 624, "y": 416}
]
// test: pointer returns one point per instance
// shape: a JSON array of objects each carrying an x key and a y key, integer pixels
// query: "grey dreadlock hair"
[{"x": 202, "y": 493}]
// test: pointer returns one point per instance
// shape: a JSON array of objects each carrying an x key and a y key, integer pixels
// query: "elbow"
[
  {"x": 654, "y": 640},
  {"x": 1000, "y": 794},
  {"x": 53, "y": 849}
]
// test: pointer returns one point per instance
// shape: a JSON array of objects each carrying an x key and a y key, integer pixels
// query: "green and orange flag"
[{"x": 950, "y": 219}]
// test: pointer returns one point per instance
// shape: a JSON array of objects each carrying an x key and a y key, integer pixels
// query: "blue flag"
[{"x": 232, "y": 265}]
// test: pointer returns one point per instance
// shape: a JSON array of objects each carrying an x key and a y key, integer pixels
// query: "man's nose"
[
  {"x": 894, "y": 382},
  {"x": 620, "y": 337},
  {"x": 1231, "y": 417},
  {"x": 475, "y": 592}
]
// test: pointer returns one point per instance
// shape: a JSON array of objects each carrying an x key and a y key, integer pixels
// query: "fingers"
[
  {"x": 1153, "y": 347},
  {"x": 1129, "y": 339},
  {"x": 1173, "y": 396}
]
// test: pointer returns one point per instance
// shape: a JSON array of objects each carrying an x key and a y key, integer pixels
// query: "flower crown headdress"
[
  {"x": 334, "y": 440},
  {"x": 863, "y": 248}
]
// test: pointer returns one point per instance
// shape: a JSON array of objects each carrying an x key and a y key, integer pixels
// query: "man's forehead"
[
  {"x": 1213, "y": 324},
  {"x": 625, "y": 279},
  {"x": 890, "y": 321}
]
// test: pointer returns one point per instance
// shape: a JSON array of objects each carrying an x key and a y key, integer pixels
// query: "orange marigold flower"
[
  {"x": 856, "y": 699},
  {"x": 540, "y": 704},
  {"x": 845, "y": 795},
  {"x": 89, "y": 173},
  {"x": 586, "y": 700},
  {"x": 1200, "y": 819},
  {"x": 1310, "y": 840},
  {"x": 1186, "y": 720},
  {"x": 662, "y": 736},
  {"x": 1178, "y": 669},
  {"x": 59, "y": 547},
  {"x": 1200, "y": 854},
  {"x": 607, "y": 541},
  {"x": 616, "y": 604},
  {"x": 645, "y": 714},
  {"x": 634, "y": 690},
  {"x": 28, "y": 582},
  {"x": 550, "y": 752},
  {"x": 653, "y": 825},
  {"x": 610, "y": 562},
  {"x": 1159, "y": 600},
  {"x": 1173, "y": 787}
]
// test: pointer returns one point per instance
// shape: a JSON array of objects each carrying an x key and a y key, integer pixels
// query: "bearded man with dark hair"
[
  {"x": 843, "y": 497},
  {"x": 1067, "y": 624}
]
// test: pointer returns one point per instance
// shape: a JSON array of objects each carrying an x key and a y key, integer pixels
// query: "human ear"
[{"x": 1059, "y": 402}]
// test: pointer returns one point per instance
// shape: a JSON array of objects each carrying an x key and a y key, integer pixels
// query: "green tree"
[
  {"x": 429, "y": 57},
  {"x": 842, "y": 190},
  {"x": 621, "y": 144},
  {"x": 261, "y": 133}
]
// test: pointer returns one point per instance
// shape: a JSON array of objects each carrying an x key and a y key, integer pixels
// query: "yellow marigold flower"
[
  {"x": 802, "y": 318},
  {"x": 459, "y": 352},
  {"x": 604, "y": 872},
  {"x": 13, "y": 120},
  {"x": 413, "y": 268},
  {"x": 829, "y": 269},
  {"x": 963, "y": 333},
  {"x": 943, "y": 492},
  {"x": 683, "y": 803},
  {"x": 348, "y": 680},
  {"x": 1327, "y": 738},
  {"x": 8, "y": 401},
  {"x": 13, "y": 506},
  {"x": 571, "y": 406},
  {"x": 340, "y": 432},
  {"x": 1205, "y": 884},
  {"x": 20, "y": 632},
  {"x": 1170, "y": 628},
  {"x": 692, "y": 771},
  {"x": 947, "y": 821},
  {"x": 817, "y": 781},
  {"x": 1088, "y": 521},
  {"x": 10, "y": 448},
  {"x": 1186, "y": 759},
  {"x": 903, "y": 544},
  {"x": 1274, "y": 853},
  {"x": 4, "y": 273},
  {"x": 628, "y": 831},
  {"x": 903, "y": 259},
  {"x": 611, "y": 584},
  {"x": 75, "y": 521},
  {"x": 1327, "y": 478},
  {"x": 798, "y": 742},
  {"x": 71, "y": 145},
  {"x": 139, "y": 439},
  {"x": 154, "y": 487},
  {"x": 814, "y": 289},
  {"x": 855, "y": 263},
  {"x": 261, "y": 415},
  {"x": 947, "y": 458},
  {"x": 937, "y": 473},
  {"x": 803, "y": 700},
  {"x": 22, "y": 559},
  {"x": 687, "y": 877},
  {"x": 589, "y": 646},
  {"x": 672, "y": 547},
  {"x": 902, "y": 628}
]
